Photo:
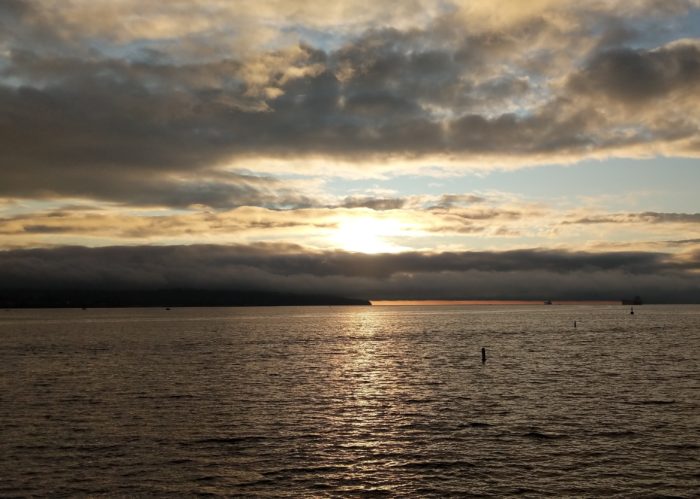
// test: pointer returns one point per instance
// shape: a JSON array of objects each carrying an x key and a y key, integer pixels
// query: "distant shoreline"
[
  {"x": 170, "y": 298},
  {"x": 85, "y": 298}
]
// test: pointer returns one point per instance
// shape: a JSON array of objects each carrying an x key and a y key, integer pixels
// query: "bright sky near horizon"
[{"x": 318, "y": 129}]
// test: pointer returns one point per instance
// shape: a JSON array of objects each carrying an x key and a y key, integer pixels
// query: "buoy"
[
  {"x": 631, "y": 310},
  {"x": 483, "y": 355}
]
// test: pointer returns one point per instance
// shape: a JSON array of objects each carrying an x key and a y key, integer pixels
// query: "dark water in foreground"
[{"x": 326, "y": 401}]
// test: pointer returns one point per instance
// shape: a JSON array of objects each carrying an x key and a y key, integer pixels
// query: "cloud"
[
  {"x": 379, "y": 204},
  {"x": 634, "y": 77},
  {"x": 305, "y": 214},
  {"x": 112, "y": 224},
  {"x": 684, "y": 242},
  {"x": 145, "y": 186},
  {"x": 148, "y": 104},
  {"x": 317, "y": 218},
  {"x": 513, "y": 274},
  {"x": 447, "y": 201},
  {"x": 645, "y": 217},
  {"x": 47, "y": 229}
]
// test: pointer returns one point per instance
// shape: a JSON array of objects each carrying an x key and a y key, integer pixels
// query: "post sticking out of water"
[
  {"x": 483, "y": 355},
  {"x": 574, "y": 323}
]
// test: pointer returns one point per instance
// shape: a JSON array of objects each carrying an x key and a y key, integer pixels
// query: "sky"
[{"x": 439, "y": 149}]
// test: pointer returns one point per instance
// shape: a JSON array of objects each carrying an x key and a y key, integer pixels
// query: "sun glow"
[{"x": 367, "y": 235}]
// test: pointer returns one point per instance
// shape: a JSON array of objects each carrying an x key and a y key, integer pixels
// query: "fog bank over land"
[{"x": 519, "y": 274}]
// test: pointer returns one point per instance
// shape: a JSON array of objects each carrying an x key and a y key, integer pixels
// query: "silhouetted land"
[{"x": 89, "y": 298}]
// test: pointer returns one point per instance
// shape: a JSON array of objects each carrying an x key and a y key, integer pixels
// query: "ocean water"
[{"x": 351, "y": 401}]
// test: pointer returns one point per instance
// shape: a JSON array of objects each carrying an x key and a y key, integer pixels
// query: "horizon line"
[{"x": 384, "y": 303}]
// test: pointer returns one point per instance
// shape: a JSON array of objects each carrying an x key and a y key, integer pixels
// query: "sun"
[{"x": 367, "y": 235}]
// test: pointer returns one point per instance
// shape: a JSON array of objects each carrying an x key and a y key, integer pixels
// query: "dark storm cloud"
[{"x": 511, "y": 274}]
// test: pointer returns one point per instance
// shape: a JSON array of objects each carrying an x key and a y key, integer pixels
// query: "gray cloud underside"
[
  {"x": 75, "y": 122},
  {"x": 512, "y": 274},
  {"x": 104, "y": 114},
  {"x": 645, "y": 217},
  {"x": 448, "y": 201},
  {"x": 684, "y": 242},
  {"x": 377, "y": 204},
  {"x": 445, "y": 202},
  {"x": 152, "y": 188}
]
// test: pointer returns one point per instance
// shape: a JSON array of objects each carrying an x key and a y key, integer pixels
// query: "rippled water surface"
[{"x": 323, "y": 401}]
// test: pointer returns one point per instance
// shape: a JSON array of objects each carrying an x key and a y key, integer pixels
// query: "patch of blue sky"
[
  {"x": 321, "y": 39},
  {"x": 138, "y": 50},
  {"x": 652, "y": 32},
  {"x": 20, "y": 206},
  {"x": 686, "y": 26},
  {"x": 656, "y": 184},
  {"x": 12, "y": 81}
]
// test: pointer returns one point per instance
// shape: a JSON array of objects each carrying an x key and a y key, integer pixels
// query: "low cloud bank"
[{"x": 521, "y": 274}]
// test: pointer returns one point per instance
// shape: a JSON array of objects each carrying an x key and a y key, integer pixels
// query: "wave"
[
  {"x": 653, "y": 402},
  {"x": 616, "y": 434},
  {"x": 476, "y": 424},
  {"x": 229, "y": 440},
  {"x": 436, "y": 464},
  {"x": 538, "y": 435}
]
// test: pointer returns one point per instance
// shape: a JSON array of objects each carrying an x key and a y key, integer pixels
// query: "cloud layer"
[
  {"x": 260, "y": 127},
  {"x": 113, "y": 101},
  {"x": 522, "y": 274}
]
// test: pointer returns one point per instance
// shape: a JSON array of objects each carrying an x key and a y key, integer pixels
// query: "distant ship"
[{"x": 548, "y": 302}]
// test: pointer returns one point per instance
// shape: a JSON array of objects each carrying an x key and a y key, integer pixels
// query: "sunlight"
[{"x": 367, "y": 235}]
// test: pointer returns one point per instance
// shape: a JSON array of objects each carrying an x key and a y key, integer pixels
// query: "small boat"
[{"x": 548, "y": 302}]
